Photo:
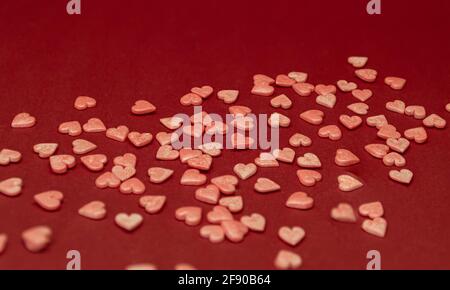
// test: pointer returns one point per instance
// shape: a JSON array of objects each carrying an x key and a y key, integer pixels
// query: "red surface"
[{"x": 120, "y": 51}]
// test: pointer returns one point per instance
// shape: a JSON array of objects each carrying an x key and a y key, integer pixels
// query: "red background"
[{"x": 121, "y": 51}]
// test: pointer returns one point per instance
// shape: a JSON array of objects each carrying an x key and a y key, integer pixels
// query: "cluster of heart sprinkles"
[{"x": 220, "y": 191}]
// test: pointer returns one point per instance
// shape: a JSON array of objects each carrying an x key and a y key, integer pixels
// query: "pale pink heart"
[
  {"x": 266, "y": 160},
  {"x": 286, "y": 155},
  {"x": 216, "y": 127},
  {"x": 141, "y": 267},
  {"x": 166, "y": 152},
  {"x": 299, "y": 77},
  {"x": 328, "y": 100},
  {"x": 172, "y": 123},
  {"x": 362, "y": 95},
  {"x": 81, "y": 146},
  {"x": 287, "y": 260},
  {"x": 371, "y": 209},
  {"x": 193, "y": 177},
  {"x": 9, "y": 156},
  {"x": 107, "y": 179},
  {"x": 165, "y": 138},
  {"x": 278, "y": 120},
  {"x": 377, "y": 150},
  {"x": 128, "y": 222},
  {"x": 419, "y": 134},
  {"x": 402, "y": 176},
  {"x": 388, "y": 131},
  {"x": 140, "y": 139},
  {"x": 95, "y": 162},
  {"x": 72, "y": 128},
  {"x": 152, "y": 203},
  {"x": 321, "y": 89},
  {"x": 263, "y": 79},
  {"x": 119, "y": 134},
  {"x": 3, "y": 242},
  {"x": 345, "y": 157},
  {"x": 368, "y": 75},
  {"x": 284, "y": 81},
  {"x": 37, "y": 239},
  {"x": 127, "y": 160},
  {"x": 255, "y": 222},
  {"x": 300, "y": 200},
  {"x": 241, "y": 142},
  {"x": 235, "y": 231},
  {"x": 209, "y": 194},
  {"x": 309, "y": 160},
  {"x": 191, "y": 215},
  {"x": 447, "y": 107},
  {"x": 239, "y": 110},
  {"x": 348, "y": 183},
  {"x": 142, "y": 107},
  {"x": 245, "y": 171},
  {"x": 377, "y": 121},
  {"x": 94, "y": 125},
  {"x": 84, "y": 102},
  {"x": 123, "y": 173},
  {"x": 213, "y": 149},
  {"x": 394, "y": 158},
  {"x": 266, "y": 185},
  {"x": 132, "y": 185},
  {"x": 49, "y": 200},
  {"x": 214, "y": 233},
  {"x": 219, "y": 214},
  {"x": 232, "y": 203},
  {"x": 303, "y": 89},
  {"x": 94, "y": 210},
  {"x": 281, "y": 101},
  {"x": 346, "y": 86},
  {"x": 395, "y": 83},
  {"x": 159, "y": 174},
  {"x": 262, "y": 90},
  {"x": 308, "y": 177},
  {"x": 45, "y": 150},
  {"x": 298, "y": 140},
  {"x": 204, "y": 91},
  {"x": 418, "y": 112},
  {"x": 314, "y": 117},
  {"x": 226, "y": 183},
  {"x": 357, "y": 61},
  {"x": 396, "y": 106},
  {"x": 359, "y": 108},
  {"x": 23, "y": 120},
  {"x": 202, "y": 162},
  {"x": 244, "y": 123},
  {"x": 400, "y": 145},
  {"x": 228, "y": 96},
  {"x": 376, "y": 227},
  {"x": 435, "y": 121},
  {"x": 291, "y": 236},
  {"x": 61, "y": 163},
  {"x": 191, "y": 99},
  {"x": 11, "y": 187},
  {"x": 350, "y": 122},
  {"x": 331, "y": 132},
  {"x": 343, "y": 213},
  {"x": 184, "y": 267}
]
